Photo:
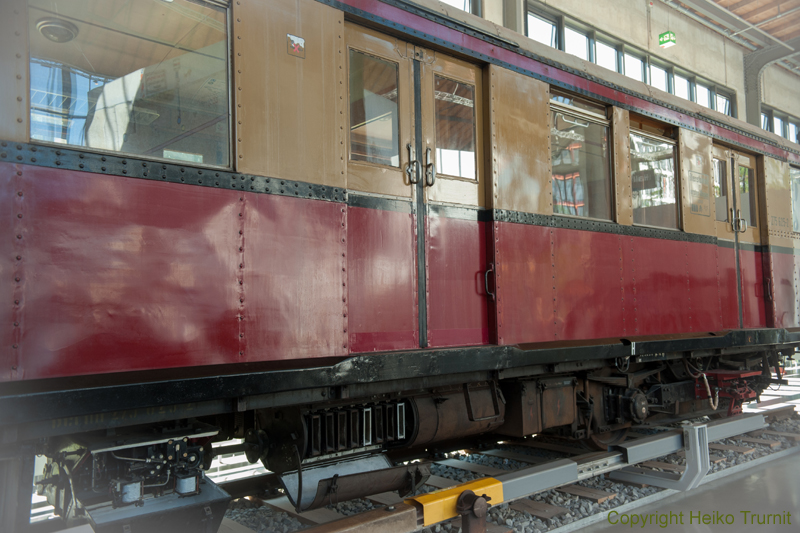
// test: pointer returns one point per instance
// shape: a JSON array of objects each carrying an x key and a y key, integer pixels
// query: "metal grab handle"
[
  {"x": 741, "y": 223},
  {"x": 413, "y": 176},
  {"x": 430, "y": 170},
  {"x": 486, "y": 281}
]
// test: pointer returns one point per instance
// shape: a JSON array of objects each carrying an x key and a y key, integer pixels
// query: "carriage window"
[
  {"x": 374, "y": 135},
  {"x": 581, "y": 163},
  {"x": 794, "y": 178},
  {"x": 747, "y": 195},
  {"x": 655, "y": 200},
  {"x": 139, "y": 77},
  {"x": 455, "y": 128}
]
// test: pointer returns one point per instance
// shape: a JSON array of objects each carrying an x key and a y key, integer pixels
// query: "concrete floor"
[{"x": 773, "y": 488}]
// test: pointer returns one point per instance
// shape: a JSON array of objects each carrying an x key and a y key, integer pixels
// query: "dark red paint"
[
  {"x": 728, "y": 294},
  {"x": 786, "y": 272},
  {"x": 295, "y": 282},
  {"x": 753, "y": 310},
  {"x": 458, "y": 307},
  {"x": 381, "y": 273}
]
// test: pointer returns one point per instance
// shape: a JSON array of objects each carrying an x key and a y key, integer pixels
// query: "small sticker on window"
[{"x": 296, "y": 46}]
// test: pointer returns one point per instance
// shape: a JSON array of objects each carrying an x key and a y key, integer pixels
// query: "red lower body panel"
[
  {"x": 458, "y": 307},
  {"x": 525, "y": 283},
  {"x": 753, "y": 310},
  {"x": 124, "y": 274},
  {"x": 590, "y": 293},
  {"x": 786, "y": 272},
  {"x": 381, "y": 273},
  {"x": 728, "y": 293},
  {"x": 295, "y": 283}
]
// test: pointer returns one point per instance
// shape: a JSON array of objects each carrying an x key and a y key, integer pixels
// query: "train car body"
[{"x": 335, "y": 228}]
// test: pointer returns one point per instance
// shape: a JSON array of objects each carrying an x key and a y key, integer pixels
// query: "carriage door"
[
  {"x": 418, "y": 232},
  {"x": 741, "y": 273}
]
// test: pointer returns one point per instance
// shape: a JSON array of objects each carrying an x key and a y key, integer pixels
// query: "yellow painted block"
[{"x": 441, "y": 505}]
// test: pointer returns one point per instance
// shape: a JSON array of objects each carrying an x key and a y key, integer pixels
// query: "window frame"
[
  {"x": 677, "y": 177},
  {"x": 231, "y": 133}
]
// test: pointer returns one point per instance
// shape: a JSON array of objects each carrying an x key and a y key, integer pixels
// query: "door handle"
[
  {"x": 489, "y": 293},
  {"x": 412, "y": 169},
  {"x": 732, "y": 220},
  {"x": 430, "y": 169},
  {"x": 741, "y": 223}
]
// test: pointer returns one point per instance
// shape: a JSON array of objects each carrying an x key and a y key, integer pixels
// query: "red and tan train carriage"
[{"x": 337, "y": 228}]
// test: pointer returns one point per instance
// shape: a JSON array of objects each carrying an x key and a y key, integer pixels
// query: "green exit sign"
[{"x": 666, "y": 39}]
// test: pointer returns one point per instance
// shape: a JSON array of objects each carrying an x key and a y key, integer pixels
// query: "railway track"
[{"x": 559, "y": 508}]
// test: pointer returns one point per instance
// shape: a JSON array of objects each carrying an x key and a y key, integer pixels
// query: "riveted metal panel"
[
  {"x": 620, "y": 125},
  {"x": 289, "y": 110},
  {"x": 728, "y": 295},
  {"x": 14, "y": 64},
  {"x": 703, "y": 311},
  {"x": 777, "y": 235},
  {"x": 590, "y": 287},
  {"x": 381, "y": 273},
  {"x": 519, "y": 158},
  {"x": 123, "y": 274},
  {"x": 295, "y": 278},
  {"x": 526, "y": 283},
  {"x": 753, "y": 297},
  {"x": 458, "y": 306},
  {"x": 696, "y": 183},
  {"x": 12, "y": 273}
]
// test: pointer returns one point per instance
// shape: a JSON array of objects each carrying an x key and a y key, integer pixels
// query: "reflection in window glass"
[
  {"x": 793, "y": 131},
  {"x": 681, "y": 86},
  {"x": 723, "y": 104},
  {"x": 703, "y": 95},
  {"x": 777, "y": 125},
  {"x": 764, "y": 122},
  {"x": 581, "y": 166},
  {"x": 109, "y": 78},
  {"x": 455, "y": 128},
  {"x": 658, "y": 77},
  {"x": 794, "y": 178},
  {"x": 576, "y": 43},
  {"x": 542, "y": 30},
  {"x": 747, "y": 196},
  {"x": 721, "y": 189},
  {"x": 655, "y": 201},
  {"x": 374, "y": 135},
  {"x": 633, "y": 67},
  {"x": 606, "y": 56}
]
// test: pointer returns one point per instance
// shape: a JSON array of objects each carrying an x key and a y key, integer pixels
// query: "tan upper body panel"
[
  {"x": 621, "y": 129},
  {"x": 14, "y": 93},
  {"x": 289, "y": 107},
  {"x": 778, "y": 205},
  {"x": 518, "y": 126},
  {"x": 696, "y": 183}
]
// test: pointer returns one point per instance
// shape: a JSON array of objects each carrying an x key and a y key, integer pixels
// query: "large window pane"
[
  {"x": 105, "y": 76},
  {"x": 455, "y": 128},
  {"x": 576, "y": 43},
  {"x": 374, "y": 135},
  {"x": 658, "y": 78},
  {"x": 793, "y": 131},
  {"x": 794, "y": 177},
  {"x": 747, "y": 195},
  {"x": 777, "y": 125},
  {"x": 606, "y": 56},
  {"x": 542, "y": 30},
  {"x": 764, "y": 122},
  {"x": 681, "y": 86},
  {"x": 655, "y": 201},
  {"x": 721, "y": 189},
  {"x": 723, "y": 104},
  {"x": 703, "y": 95},
  {"x": 633, "y": 67},
  {"x": 581, "y": 166}
]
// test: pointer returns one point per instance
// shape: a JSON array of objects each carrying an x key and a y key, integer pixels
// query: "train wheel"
[{"x": 601, "y": 441}]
